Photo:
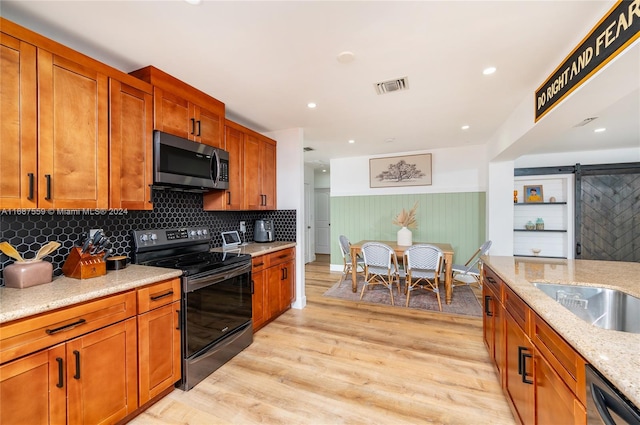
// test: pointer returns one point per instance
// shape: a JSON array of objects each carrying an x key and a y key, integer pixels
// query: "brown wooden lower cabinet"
[
  {"x": 89, "y": 379},
  {"x": 542, "y": 376},
  {"x": 273, "y": 278}
]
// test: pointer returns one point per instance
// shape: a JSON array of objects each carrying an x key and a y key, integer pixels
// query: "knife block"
[{"x": 84, "y": 266}]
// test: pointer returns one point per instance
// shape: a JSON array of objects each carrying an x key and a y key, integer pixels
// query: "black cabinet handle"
[
  {"x": 520, "y": 350},
  {"x": 48, "y": 178},
  {"x": 252, "y": 287},
  {"x": 524, "y": 368},
  {"x": 157, "y": 297},
  {"x": 487, "y": 298},
  {"x": 60, "y": 383},
  {"x": 199, "y": 128},
  {"x": 178, "y": 312},
  {"x": 228, "y": 198},
  {"x": 193, "y": 125},
  {"x": 65, "y": 327},
  {"x": 578, "y": 248},
  {"x": 76, "y": 353},
  {"x": 490, "y": 279},
  {"x": 31, "y": 182},
  {"x": 282, "y": 270}
]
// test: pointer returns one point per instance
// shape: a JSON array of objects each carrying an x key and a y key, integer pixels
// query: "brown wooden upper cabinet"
[
  {"x": 182, "y": 110},
  {"x": 252, "y": 172},
  {"x": 56, "y": 128}
]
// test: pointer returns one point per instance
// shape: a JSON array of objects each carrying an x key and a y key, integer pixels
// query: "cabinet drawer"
[
  {"x": 158, "y": 294},
  {"x": 561, "y": 356},
  {"x": 281, "y": 256},
  {"x": 259, "y": 263},
  {"x": 518, "y": 309},
  {"x": 492, "y": 281},
  {"x": 34, "y": 333}
]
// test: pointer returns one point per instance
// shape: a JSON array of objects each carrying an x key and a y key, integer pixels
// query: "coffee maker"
[{"x": 263, "y": 231}]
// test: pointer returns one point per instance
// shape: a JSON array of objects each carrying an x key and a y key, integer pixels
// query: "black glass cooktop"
[{"x": 200, "y": 262}]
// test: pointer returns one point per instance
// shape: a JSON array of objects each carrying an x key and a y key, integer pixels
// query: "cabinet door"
[
  {"x": 19, "y": 125},
  {"x": 230, "y": 199},
  {"x": 488, "y": 328},
  {"x": 519, "y": 369},
  {"x": 268, "y": 174},
  {"x": 252, "y": 173},
  {"x": 274, "y": 288},
  {"x": 287, "y": 289},
  {"x": 555, "y": 402},
  {"x": 209, "y": 126},
  {"x": 258, "y": 306},
  {"x": 172, "y": 114},
  {"x": 131, "y": 147},
  {"x": 102, "y": 374},
  {"x": 73, "y": 144},
  {"x": 159, "y": 359},
  {"x": 34, "y": 389}
]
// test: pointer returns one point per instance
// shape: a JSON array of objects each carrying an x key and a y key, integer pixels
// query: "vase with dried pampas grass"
[{"x": 406, "y": 220}]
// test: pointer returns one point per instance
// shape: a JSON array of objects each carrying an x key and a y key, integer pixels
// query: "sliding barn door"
[{"x": 608, "y": 214}]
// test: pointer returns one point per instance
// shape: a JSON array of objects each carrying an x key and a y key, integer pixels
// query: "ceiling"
[{"x": 267, "y": 60}]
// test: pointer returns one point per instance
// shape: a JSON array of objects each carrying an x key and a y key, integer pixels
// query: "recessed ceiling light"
[
  {"x": 324, "y": 171},
  {"x": 345, "y": 57},
  {"x": 489, "y": 71},
  {"x": 599, "y": 130},
  {"x": 194, "y": 2},
  {"x": 465, "y": 127},
  {"x": 352, "y": 141},
  {"x": 311, "y": 105},
  {"x": 390, "y": 140}
]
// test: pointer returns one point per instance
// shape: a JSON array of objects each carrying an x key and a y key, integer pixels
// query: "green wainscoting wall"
[{"x": 456, "y": 218}]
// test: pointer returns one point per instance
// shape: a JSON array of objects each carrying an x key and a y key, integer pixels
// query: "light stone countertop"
[
  {"x": 63, "y": 291},
  {"x": 255, "y": 248},
  {"x": 615, "y": 354}
]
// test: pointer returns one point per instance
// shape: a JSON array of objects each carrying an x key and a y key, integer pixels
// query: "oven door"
[{"x": 214, "y": 306}]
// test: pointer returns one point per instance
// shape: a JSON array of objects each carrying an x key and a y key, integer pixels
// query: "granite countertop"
[
  {"x": 63, "y": 291},
  {"x": 613, "y": 353},
  {"x": 255, "y": 249}
]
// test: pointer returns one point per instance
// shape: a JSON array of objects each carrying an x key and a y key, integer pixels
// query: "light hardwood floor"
[{"x": 339, "y": 362}]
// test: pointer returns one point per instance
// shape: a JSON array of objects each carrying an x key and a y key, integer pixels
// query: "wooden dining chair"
[
  {"x": 423, "y": 264},
  {"x": 380, "y": 267}
]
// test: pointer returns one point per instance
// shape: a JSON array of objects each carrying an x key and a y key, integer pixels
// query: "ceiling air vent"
[
  {"x": 585, "y": 121},
  {"x": 307, "y": 149},
  {"x": 392, "y": 85}
]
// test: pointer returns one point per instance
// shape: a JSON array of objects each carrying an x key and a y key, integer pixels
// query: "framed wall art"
[
  {"x": 533, "y": 194},
  {"x": 409, "y": 170}
]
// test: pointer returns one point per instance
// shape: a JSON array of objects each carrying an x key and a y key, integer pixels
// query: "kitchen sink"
[{"x": 601, "y": 307}]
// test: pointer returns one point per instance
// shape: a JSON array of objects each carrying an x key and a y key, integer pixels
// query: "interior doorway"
[{"x": 323, "y": 221}]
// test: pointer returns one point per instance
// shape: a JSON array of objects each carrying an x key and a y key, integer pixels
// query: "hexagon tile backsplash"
[{"x": 28, "y": 230}]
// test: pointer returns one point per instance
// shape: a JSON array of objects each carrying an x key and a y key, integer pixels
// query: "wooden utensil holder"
[{"x": 84, "y": 266}]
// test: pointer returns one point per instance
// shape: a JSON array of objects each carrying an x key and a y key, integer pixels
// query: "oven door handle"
[{"x": 200, "y": 282}]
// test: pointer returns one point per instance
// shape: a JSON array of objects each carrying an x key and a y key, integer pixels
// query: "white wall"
[
  {"x": 613, "y": 156},
  {"x": 462, "y": 169},
  {"x": 290, "y": 188}
]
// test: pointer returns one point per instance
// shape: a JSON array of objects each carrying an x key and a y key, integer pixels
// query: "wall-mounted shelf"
[
  {"x": 528, "y": 204},
  {"x": 555, "y": 240},
  {"x": 543, "y": 230}
]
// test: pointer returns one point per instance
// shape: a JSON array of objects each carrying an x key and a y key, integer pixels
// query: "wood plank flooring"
[{"x": 339, "y": 362}]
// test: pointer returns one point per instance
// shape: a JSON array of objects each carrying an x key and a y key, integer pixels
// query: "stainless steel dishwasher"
[{"x": 605, "y": 404}]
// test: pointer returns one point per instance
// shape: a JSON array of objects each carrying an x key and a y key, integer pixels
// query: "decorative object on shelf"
[
  {"x": 530, "y": 225},
  {"x": 411, "y": 170},
  {"x": 552, "y": 199},
  {"x": 515, "y": 196},
  {"x": 536, "y": 251},
  {"x": 539, "y": 224},
  {"x": 407, "y": 220},
  {"x": 533, "y": 193}
]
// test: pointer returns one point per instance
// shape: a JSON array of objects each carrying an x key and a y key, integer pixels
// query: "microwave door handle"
[{"x": 215, "y": 173}]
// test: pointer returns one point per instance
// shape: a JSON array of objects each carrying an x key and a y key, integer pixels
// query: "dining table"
[{"x": 446, "y": 248}]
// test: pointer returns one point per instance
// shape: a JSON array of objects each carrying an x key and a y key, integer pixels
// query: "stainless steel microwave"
[{"x": 184, "y": 164}]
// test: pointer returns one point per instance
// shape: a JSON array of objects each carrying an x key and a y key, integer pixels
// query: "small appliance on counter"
[{"x": 263, "y": 231}]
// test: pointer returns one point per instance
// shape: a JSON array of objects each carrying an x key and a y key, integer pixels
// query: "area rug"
[{"x": 464, "y": 301}]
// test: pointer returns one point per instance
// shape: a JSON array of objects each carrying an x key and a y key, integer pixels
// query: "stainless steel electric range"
[{"x": 216, "y": 296}]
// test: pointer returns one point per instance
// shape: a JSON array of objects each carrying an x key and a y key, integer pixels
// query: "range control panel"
[{"x": 169, "y": 237}]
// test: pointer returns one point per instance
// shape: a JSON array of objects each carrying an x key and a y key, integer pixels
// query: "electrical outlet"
[{"x": 243, "y": 227}]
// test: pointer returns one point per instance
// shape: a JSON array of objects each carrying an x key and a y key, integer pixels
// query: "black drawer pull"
[
  {"x": 520, "y": 350},
  {"x": 490, "y": 279},
  {"x": 198, "y": 129},
  {"x": 76, "y": 353},
  {"x": 60, "y": 383},
  {"x": 157, "y": 297},
  {"x": 193, "y": 126},
  {"x": 48, "y": 178},
  {"x": 524, "y": 368},
  {"x": 259, "y": 264},
  {"x": 65, "y": 327}
]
